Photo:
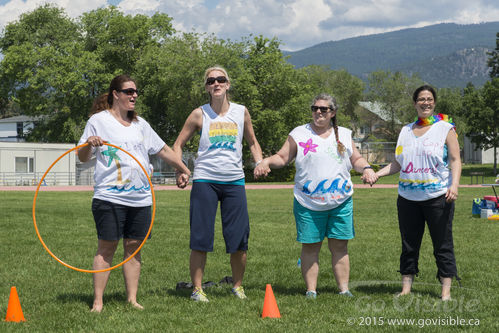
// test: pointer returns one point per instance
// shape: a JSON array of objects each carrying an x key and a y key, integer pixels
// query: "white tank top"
[
  {"x": 220, "y": 146},
  {"x": 424, "y": 173},
  {"x": 322, "y": 179}
]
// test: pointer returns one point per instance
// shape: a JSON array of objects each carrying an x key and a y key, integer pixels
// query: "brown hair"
[
  {"x": 105, "y": 101},
  {"x": 424, "y": 88},
  {"x": 333, "y": 105},
  {"x": 99, "y": 104}
]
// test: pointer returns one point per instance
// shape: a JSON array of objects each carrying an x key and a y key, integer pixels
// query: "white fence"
[
  {"x": 32, "y": 179},
  {"x": 380, "y": 153},
  {"x": 68, "y": 178}
]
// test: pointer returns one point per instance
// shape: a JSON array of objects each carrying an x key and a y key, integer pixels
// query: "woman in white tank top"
[
  {"x": 218, "y": 177},
  {"x": 323, "y": 153},
  {"x": 425, "y": 150}
]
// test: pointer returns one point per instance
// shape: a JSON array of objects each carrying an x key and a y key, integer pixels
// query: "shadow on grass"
[
  {"x": 393, "y": 287},
  {"x": 88, "y": 298}
]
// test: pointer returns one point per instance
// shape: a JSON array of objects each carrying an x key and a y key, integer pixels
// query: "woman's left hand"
[
  {"x": 182, "y": 179},
  {"x": 369, "y": 176},
  {"x": 451, "y": 194}
]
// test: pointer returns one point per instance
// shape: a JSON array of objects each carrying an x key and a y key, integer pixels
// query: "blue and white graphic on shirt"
[
  {"x": 424, "y": 170},
  {"x": 333, "y": 187},
  {"x": 223, "y": 135},
  {"x": 322, "y": 179},
  {"x": 135, "y": 179}
]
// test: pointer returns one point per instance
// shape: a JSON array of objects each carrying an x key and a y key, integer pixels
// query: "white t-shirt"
[
  {"x": 220, "y": 153},
  {"x": 118, "y": 177},
  {"x": 322, "y": 179},
  {"x": 424, "y": 173}
]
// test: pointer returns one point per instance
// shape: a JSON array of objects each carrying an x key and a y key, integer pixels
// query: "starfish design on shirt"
[
  {"x": 112, "y": 153},
  {"x": 308, "y": 146}
]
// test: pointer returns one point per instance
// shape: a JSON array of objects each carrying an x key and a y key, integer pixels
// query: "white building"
[
  {"x": 13, "y": 129},
  {"x": 24, "y": 163},
  {"x": 479, "y": 156}
]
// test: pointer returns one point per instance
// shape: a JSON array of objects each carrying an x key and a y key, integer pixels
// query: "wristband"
[
  {"x": 258, "y": 162},
  {"x": 367, "y": 167}
]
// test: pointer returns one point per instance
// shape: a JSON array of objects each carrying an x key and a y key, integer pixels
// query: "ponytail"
[
  {"x": 101, "y": 103},
  {"x": 341, "y": 146}
]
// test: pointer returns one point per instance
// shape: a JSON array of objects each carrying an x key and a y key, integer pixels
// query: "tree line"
[{"x": 54, "y": 67}]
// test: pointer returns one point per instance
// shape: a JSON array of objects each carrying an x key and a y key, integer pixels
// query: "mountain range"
[{"x": 443, "y": 55}]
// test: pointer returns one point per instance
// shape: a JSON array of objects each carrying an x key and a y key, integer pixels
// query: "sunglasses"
[
  {"x": 324, "y": 109},
  {"x": 129, "y": 91},
  {"x": 423, "y": 100},
  {"x": 220, "y": 79}
]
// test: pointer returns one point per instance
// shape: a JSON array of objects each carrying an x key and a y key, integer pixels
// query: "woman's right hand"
[
  {"x": 182, "y": 179},
  {"x": 95, "y": 141},
  {"x": 262, "y": 169}
]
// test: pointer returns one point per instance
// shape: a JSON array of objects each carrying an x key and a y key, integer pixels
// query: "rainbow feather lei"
[{"x": 434, "y": 119}]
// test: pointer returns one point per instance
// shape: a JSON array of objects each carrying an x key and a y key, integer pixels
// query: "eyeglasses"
[
  {"x": 220, "y": 79},
  {"x": 422, "y": 100},
  {"x": 129, "y": 91},
  {"x": 324, "y": 109}
]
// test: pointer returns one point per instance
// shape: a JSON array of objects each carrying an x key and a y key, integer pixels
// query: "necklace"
[{"x": 434, "y": 119}]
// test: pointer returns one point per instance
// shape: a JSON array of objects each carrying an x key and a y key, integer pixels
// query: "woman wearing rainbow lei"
[{"x": 427, "y": 157}]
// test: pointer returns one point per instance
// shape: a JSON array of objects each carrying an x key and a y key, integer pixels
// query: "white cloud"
[
  {"x": 11, "y": 10},
  {"x": 297, "y": 23},
  {"x": 142, "y": 6}
]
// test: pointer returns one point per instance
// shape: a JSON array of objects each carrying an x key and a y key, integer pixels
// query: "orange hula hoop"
[{"x": 124, "y": 261}]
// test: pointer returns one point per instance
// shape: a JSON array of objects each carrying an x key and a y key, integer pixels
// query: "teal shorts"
[{"x": 312, "y": 225}]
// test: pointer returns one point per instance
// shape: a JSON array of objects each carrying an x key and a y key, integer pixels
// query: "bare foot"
[
  {"x": 136, "y": 305},
  {"x": 402, "y": 293},
  {"x": 97, "y": 308}
]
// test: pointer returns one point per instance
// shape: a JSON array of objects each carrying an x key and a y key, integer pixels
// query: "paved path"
[{"x": 172, "y": 187}]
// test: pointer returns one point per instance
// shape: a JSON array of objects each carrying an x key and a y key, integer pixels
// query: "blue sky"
[{"x": 296, "y": 23}]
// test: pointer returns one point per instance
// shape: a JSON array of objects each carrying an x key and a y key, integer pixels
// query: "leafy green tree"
[
  {"x": 481, "y": 109},
  {"x": 450, "y": 102},
  {"x": 394, "y": 91},
  {"x": 54, "y": 66},
  {"x": 493, "y": 61},
  {"x": 346, "y": 88},
  {"x": 118, "y": 40}
]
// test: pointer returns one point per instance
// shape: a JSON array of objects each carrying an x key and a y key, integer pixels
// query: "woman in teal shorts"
[{"x": 323, "y": 153}]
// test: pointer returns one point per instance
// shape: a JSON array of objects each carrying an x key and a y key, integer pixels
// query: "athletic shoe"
[
  {"x": 198, "y": 295},
  {"x": 346, "y": 293},
  {"x": 311, "y": 294},
  {"x": 239, "y": 292}
]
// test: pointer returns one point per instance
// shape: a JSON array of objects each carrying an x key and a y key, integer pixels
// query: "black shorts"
[
  {"x": 114, "y": 221},
  {"x": 234, "y": 214}
]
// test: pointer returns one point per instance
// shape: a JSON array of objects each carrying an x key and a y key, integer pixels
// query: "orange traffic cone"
[
  {"x": 14, "y": 311},
  {"x": 270, "y": 308}
]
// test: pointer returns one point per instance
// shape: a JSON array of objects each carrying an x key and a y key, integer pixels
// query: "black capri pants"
[{"x": 438, "y": 214}]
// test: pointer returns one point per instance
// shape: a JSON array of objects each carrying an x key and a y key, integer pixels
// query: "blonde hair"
[
  {"x": 216, "y": 68},
  {"x": 221, "y": 69}
]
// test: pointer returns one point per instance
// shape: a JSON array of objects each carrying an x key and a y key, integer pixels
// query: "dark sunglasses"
[
  {"x": 220, "y": 79},
  {"x": 323, "y": 109},
  {"x": 129, "y": 91}
]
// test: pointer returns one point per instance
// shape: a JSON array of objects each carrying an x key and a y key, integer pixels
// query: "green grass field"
[{"x": 57, "y": 299}]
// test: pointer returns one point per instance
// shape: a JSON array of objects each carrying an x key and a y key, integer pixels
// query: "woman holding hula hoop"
[
  {"x": 122, "y": 195},
  {"x": 218, "y": 176}
]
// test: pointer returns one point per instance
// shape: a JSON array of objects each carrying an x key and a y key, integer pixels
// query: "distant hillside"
[{"x": 445, "y": 55}]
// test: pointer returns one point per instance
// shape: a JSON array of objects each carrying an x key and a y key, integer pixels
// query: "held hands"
[
  {"x": 369, "y": 176},
  {"x": 262, "y": 169},
  {"x": 182, "y": 179}
]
